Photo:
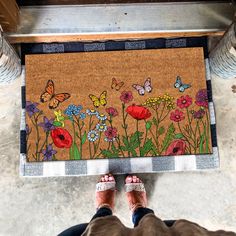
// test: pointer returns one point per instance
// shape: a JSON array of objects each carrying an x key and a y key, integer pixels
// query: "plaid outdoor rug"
[{"x": 116, "y": 108}]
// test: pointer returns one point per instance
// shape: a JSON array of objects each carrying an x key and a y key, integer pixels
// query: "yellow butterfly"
[{"x": 101, "y": 101}]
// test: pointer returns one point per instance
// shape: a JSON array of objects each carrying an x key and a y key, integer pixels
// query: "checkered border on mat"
[{"x": 118, "y": 166}]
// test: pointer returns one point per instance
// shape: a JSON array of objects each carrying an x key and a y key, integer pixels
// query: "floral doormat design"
[{"x": 119, "y": 104}]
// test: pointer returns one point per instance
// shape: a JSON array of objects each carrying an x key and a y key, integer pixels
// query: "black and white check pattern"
[{"x": 128, "y": 165}]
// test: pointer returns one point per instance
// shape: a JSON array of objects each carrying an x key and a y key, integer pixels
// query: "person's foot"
[
  {"x": 135, "y": 192},
  {"x": 105, "y": 192}
]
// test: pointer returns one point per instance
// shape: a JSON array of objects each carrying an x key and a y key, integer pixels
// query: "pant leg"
[
  {"x": 78, "y": 230},
  {"x": 139, "y": 213}
]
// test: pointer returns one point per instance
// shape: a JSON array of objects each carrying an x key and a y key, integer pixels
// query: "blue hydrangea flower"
[
  {"x": 101, "y": 127},
  {"x": 82, "y": 115},
  {"x": 73, "y": 110}
]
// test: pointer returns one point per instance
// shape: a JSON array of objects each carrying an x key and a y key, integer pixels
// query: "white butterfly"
[{"x": 145, "y": 88}]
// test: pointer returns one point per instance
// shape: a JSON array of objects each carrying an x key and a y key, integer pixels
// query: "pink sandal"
[
  {"x": 135, "y": 192},
  {"x": 105, "y": 192}
]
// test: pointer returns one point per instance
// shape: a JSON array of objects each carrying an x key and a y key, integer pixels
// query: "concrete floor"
[{"x": 46, "y": 206}]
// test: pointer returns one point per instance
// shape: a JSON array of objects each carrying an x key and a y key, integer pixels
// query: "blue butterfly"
[{"x": 181, "y": 86}]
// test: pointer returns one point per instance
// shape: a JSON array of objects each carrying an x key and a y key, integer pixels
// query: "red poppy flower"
[
  {"x": 177, "y": 147},
  {"x": 184, "y": 101},
  {"x": 138, "y": 112},
  {"x": 177, "y": 115},
  {"x": 61, "y": 138}
]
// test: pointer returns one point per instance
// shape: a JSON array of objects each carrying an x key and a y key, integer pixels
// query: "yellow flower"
[
  {"x": 59, "y": 117},
  {"x": 155, "y": 101}
]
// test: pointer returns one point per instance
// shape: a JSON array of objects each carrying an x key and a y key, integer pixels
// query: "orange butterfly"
[
  {"x": 115, "y": 85},
  {"x": 54, "y": 99}
]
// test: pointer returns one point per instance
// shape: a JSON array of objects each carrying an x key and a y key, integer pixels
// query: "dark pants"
[{"x": 138, "y": 214}]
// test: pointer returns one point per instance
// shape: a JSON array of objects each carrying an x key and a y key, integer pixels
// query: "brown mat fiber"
[{"x": 116, "y": 104}]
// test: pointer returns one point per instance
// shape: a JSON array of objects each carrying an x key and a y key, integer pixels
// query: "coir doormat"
[{"x": 118, "y": 104}]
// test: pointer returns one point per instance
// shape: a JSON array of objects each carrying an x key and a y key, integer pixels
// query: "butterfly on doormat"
[
  {"x": 116, "y": 85},
  {"x": 180, "y": 85},
  {"x": 147, "y": 87},
  {"x": 99, "y": 101},
  {"x": 54, "y": 99}
]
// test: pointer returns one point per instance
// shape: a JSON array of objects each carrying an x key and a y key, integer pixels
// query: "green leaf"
[
  {"x": 148, "y": 125},
  {"x": 161, "y": 130},
  {"x": 106, "y": 153},
  {"x": 61, "y": 118},
  {"x": 169, "y": 137},
  {"x": 57, "y": 123},
  {"x": 74, "y": 152},
  {"x": 109, "y": 154},
  {"x": 83, "y": 139},
  {"x": 201, "y": 143},
  {"x": 133, "y": 152},
  {"x": 125, "y": 141},
  {"x": 179, "y": 136},
  {"x": 147, "y": 147},
  {"x": 136, "y": 137}
]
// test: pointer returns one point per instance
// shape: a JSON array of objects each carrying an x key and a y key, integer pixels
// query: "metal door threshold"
[{"x": 119, "y": 21}]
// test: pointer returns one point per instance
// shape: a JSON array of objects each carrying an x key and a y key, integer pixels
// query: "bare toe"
[
  {"x": 111, "y": 178},
  {"x": 128, "y": 179}
]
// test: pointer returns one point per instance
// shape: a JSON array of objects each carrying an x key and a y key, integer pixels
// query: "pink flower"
[
  {"x": 199, "y": 114},
  {"x": 112, "y": 111},
  {"x": 177, "y": 147},
  {"x": 111, "y": 133},
  {"x": 201, "y": 98},
  {"x": 184, "y": 102},
  {"x": 138, "y": 112},
  {"x": 177, "y": 115},
  {"x": 126, "y": 96}
]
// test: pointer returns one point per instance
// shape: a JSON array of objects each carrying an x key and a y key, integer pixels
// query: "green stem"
[
  {"x": 145, "y": 138},
  {"x": 139, "y": 141},
  {"x": 119, "y": 145},
  {"x": 191, "y": 131},
  {"x": 190, "y": 145},
  {"x": 80, "y": 135},
  {"x": 157, "y": 125},
  {"x": 157, "y": 146},
  {"x": 162, "y": 110},
  {"x": 35, "y": 123},
  {"x": 90, "y": 151},
  {"x": 97, "y": 145},
  {"x": 165, "y": 116},
  {"x": 208, "y": 129},
  {"x": 125, "y": 125}
]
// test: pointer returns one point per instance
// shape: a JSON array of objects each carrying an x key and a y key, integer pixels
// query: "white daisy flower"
[
  {"x": 101, "y": 127},
  {"x": 101, "y": 117},
  {"x": 91, "y": 112},
  {"x": 93, "y": 135}
]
